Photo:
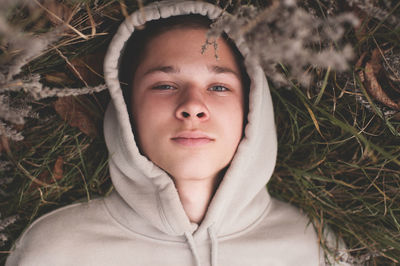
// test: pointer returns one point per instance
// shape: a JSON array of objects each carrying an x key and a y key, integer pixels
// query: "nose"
[{"x": 192, "y": 106}]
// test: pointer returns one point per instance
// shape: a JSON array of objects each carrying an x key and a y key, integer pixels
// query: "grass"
[
  {"x": 344, "y": 175},
  {"x": 34, "y": 190},
  {"x": 338, "y": 160}
]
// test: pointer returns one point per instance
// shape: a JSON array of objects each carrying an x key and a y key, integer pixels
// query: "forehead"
[{"x": 188, "y": 45}]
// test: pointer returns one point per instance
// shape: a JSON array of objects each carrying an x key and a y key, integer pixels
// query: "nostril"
[{"x": 200, "y": 115}]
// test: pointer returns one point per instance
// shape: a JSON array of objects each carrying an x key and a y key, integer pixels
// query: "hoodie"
[{"x": 143, "y": 221}]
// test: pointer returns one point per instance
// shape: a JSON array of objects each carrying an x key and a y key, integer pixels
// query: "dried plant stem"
[{"x": 64, "y": 22}]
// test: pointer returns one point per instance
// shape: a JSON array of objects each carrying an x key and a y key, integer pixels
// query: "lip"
[{"x": 192, "y": 138}]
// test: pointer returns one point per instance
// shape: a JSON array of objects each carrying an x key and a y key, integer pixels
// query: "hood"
[{"x": 146, "y": 190}]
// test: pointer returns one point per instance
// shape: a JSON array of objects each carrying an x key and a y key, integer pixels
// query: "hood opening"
[{"x": 135, "y": 49}]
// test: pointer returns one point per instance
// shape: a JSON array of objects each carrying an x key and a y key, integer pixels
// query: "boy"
[{"x": 188, "y": 159}]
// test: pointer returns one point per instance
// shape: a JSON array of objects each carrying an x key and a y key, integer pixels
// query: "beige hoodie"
[{"x": 143, "y": 221}]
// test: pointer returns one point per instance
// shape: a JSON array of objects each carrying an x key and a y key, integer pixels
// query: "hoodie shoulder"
[
  {"x": 286, "y": 222},
  {"x": 60, "y": 235},
  {"x": 291, "y": 232}
]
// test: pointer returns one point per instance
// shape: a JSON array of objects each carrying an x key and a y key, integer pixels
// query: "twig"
[
  {"x": 92, "y": 23},
  {"x": 72, "y": 66},
  {"x": 59, "y": 19}
]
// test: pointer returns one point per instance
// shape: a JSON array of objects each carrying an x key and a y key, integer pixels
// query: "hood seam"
[
  {"x": 249, "y": 227},
  {"x": 120, "y": 224},
  {"x": 162, "y": 211}
]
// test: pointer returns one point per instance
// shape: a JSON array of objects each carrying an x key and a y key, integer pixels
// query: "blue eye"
[
  {"x": 163, "y": 87},
  {"x": 218, "y": 88}
]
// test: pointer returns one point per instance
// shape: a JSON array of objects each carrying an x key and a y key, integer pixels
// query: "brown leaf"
[
  {"x": 44, "y": 177},
  {"x": 58, "y": 168},
  {"x": 76, "y": 115},
  {"x": 90, "y": 68},
  {"x": 42, "y": 180},
  {"x": 372, "y": 71},
  {"x": 359, "y": 63},
  {"x": 376, "y": 61},
  {"x": 4, "y": 145},
  {"x": 58, "y": 13}
]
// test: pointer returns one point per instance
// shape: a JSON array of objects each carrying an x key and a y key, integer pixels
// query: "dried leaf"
[
  {"x": 376, "y": 62},
  {"x": 90, "y": 68},
  {"x": 314, "y": 119},
  {"x": 44, "y": 177},
  {"x": 4, "y": 145},
  {"x": 42, "y": 180},
  {"x": 372, "y": 70},
  {"x": 58, "y": 168},
  {"x": 76, "y": 115},
  {"x": 359, "y": 63}
]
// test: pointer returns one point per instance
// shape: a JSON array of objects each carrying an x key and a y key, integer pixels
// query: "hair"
[{"x": 135, "y": 48}]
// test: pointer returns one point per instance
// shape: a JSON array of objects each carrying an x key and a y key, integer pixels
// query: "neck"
[{"x": 196, "y": 195}]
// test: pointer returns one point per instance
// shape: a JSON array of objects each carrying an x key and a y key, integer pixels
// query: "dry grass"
[{"x": 339, "y": 148}]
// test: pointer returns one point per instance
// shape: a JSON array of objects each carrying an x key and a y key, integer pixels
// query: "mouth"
[{"x": 192, "y": 138}]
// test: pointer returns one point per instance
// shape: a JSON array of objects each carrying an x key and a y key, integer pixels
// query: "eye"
[
  {"x": 163, "y": 87},
  {"x": 218, "y": 88}
]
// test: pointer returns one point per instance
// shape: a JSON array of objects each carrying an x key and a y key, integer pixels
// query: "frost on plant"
[
  {"x": 15, "y": 55},
  {"x": 379, "y": 13},
  {"x": 286, "y": 36},
  {"x": 4, "y": 223}
]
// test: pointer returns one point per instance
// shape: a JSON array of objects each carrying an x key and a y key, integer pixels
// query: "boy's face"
[{"x": 188, "y": 107}]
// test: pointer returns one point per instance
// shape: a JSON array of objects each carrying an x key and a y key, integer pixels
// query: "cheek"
[
  {"x": 155, "y": 108},
  {"x": 230, "y": 116},
  {"x": 148, "y": 115}
]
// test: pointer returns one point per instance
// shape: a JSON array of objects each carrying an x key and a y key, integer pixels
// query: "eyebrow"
[
  {"x": 212, "y": 68},
  {"x": 165, "y": 69},
  {"x": 222, "y": 70}
]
